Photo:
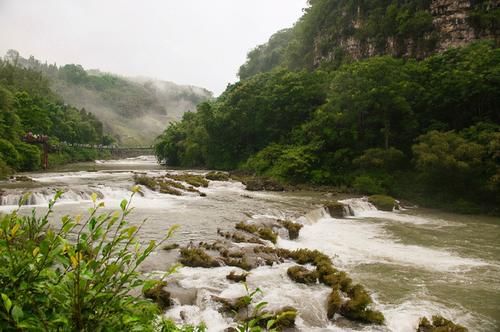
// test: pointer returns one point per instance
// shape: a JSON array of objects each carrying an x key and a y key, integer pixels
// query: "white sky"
[{"x": 197, "y": 42}]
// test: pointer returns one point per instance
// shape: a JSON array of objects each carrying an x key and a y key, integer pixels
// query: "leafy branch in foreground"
[{"x": 77, "y": 276}]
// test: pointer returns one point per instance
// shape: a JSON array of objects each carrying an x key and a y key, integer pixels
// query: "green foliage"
[
  {"x": 365, "y": 184},
  {"x": 9, "y": 154},
  {"x": 77, "y": 276},
  {"x": 359, "y": 125},
  {"x": 29, "y": 156}
]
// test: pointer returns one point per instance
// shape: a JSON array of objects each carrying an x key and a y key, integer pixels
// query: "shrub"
[
  {"x": 365, "y": 184},
  {"x": 8, "y": 153},
  {"x": 74, "y": 278},
  {"x": 29, "y": 157}
]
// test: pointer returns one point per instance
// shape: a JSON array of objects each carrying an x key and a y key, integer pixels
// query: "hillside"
[
  {"x": 420, "y": 126},
  {"x": 134, "y": 110},
  {"x": 334, "y": 32}
]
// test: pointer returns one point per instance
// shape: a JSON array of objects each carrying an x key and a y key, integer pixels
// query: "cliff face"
[{"x": 443, "y": 24}]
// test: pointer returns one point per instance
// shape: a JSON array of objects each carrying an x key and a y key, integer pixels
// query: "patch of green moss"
[
  {"x": 334, "y": 302},
  {"x": 264, "y": 233},
  {"x": 302, "y": 275},
  {"x": 382, "y": 202},
  {"x": 192, "y": 179},
  {"x": 292, "y": 227},
  {"x": 146, "y": 181},
  {"x": 197, "y": 257},
  {"x": 217, "y": 176},
  {"x": 237, "y": 277},
  {"x": 159, "y": 295},
  {"x": 439, "y": 324},
  {"x": 356, "y": 307},
  {"x": 335, "y": 209}
]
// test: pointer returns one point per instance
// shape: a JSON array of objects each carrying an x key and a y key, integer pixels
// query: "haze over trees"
[
  {"x": 135, "y": 110},
  {"x": 426, "y": 129}
]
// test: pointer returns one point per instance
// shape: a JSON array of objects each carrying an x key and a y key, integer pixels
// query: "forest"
[
  {"x": 423, "y": 130},
  {"x": 28, "y": 104}
]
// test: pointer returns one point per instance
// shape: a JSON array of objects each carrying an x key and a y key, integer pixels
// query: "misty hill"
[{"x": 134, "y": 110}]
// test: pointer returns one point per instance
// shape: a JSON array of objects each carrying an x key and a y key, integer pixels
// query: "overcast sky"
[{"x": 197, "y": 42}]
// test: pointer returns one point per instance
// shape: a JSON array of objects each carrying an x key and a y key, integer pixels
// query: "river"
[{"x": 415, "y": 262}]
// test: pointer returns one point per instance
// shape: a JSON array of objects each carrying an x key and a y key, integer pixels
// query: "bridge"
[{"x": 115, "y": 150}]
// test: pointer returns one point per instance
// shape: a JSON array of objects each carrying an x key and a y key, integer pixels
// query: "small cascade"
[
  {"x": 313, "y": 216},
  {"x": 43, "y": 197},
  {"x": 357, "y": 206}
]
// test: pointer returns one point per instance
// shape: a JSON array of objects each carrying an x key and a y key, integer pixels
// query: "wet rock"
[
  {"x": 159, "y": 295},
  {"x": 217, "y": 176},
  {"x": 261, "y": 184},
  {"x": 265, "y": 233},
  {"x": 237, "y": 277},
  {"x": 197, "y": 257},
  {"x": 184, "y": 296},
  {"x": 192, "y": 179},
  {"x": 170, "y": 246},
  {"x": 334, "y": 302},
  {"x": 285, "y": 318},
  {"x": 145, "y": 181},
  {"x": 439, "y": 324},
  {"x": 292, "y": 228},
  {"x": 337, "y": 209},
  {"x": 302, "y": 275},
  {"x": 23, "y": 178},
  {"x": 356, "y": 308},
  {"x": 383, "y": 202},
  {"x": 232, "y": 305}
]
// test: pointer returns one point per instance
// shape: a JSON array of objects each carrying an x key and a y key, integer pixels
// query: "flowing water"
[{"x": 415, "y": 262}]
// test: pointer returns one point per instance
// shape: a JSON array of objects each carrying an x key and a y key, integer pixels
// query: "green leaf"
[
  {"x": 123, "y": 204},
  {"x": 7, "y": 302},
  {"x": 17, "y": 313}
]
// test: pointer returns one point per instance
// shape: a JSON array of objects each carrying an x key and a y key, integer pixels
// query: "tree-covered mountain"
[
  {"x": 426, "y": 129},
  {"x": 332, "y": 32},
  {"x": 27, "y": 104},
  {"x": 135, "y": 110}
]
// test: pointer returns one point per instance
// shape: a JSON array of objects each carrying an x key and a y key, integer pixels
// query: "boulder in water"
[
  {"x": 217, "y": 176},
  {"x": 197, "y": 257},
  {"x": 383, "y": 202},
  {"x": 159, "y": 295},
  {"x": 337, "y": 209},
  {"x": 439, "y": 324},
  {"x": 292, "y": 228},
  {"x": 237, "y": 277}
]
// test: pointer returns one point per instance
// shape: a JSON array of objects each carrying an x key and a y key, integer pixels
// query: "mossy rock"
[
  {"x": 146, "y": 181},
  {"x": 285, "y": 318},
  {"x": 333, "y": 304},
  {"x": 232, "y": 305},
  {"x": 170, "y": 246},
  {"x": 356, "y": 308},
  {"x": 192, "y": 179},
  {"x": 302, "y": 275},
  {"x": 265, "y": 233},
  {"x": 261, "y": 184},
  {"x": 383, "y": 202},
  {"x": 217, "y": 176},
  {"x": 292, "y": 228},
  {"x": 439, "y": 324},
  {"x": 233, "y": 276},
  {"x": 336, "y": 209},
  {"x": 197, "y": 257},
  {"x": 159, "y": 295}
]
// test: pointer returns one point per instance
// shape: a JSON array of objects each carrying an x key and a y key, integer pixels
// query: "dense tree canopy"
[
  {"x": 28, "y": 105},
  {"x": 363, "y": 125}
]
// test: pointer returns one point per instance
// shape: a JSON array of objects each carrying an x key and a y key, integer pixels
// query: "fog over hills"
[{"x": 134, "y": 110}]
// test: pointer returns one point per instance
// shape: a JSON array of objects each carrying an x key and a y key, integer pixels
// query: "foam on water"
[
  {"x": 141, "y": 160},
  {"x": 364, "y": 209},
  {"x": 357, "y": 242}
]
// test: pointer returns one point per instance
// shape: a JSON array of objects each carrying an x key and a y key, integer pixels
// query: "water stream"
[{"x": 415, "y": 262}]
